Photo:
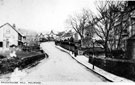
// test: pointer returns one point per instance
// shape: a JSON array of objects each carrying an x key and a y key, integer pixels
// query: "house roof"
[
  {"x": 52, "y": 32},
  {"x": 11, "y": 27},
  {"x": 60, "y": 34},
  {"x": 67, "y": 35}
]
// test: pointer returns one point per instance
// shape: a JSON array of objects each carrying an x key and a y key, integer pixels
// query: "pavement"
[{"x": 84, "y": 61}]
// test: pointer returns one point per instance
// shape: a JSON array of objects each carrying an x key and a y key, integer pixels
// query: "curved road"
[{"x": 60, "y": 66}]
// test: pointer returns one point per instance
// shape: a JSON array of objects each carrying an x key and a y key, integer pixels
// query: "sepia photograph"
[{"x": 67, "y": 42}]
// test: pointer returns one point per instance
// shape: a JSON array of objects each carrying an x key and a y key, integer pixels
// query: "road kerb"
[{"x": 84, "y": 60}]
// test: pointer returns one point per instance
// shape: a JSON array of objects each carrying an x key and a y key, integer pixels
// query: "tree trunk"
[
  {"x": 121, "y": 29},
  {"x": 81, "y": 41},
  {"x": 106, "y": 51}
]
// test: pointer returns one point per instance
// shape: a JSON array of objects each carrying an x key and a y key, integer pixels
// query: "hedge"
[{"x": 8, "y": 65}]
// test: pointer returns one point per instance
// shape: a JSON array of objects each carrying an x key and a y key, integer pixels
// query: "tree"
[
  {"x": 112, "y": 23},
  {"x": 80, "y": 22},
  {"x": 105, "y": 27}
]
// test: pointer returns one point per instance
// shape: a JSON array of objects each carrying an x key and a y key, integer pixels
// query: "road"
[{"x": 60, "y": 67}]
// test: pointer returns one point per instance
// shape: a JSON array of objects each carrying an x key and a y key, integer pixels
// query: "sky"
[{"x": 41, "y": 15}]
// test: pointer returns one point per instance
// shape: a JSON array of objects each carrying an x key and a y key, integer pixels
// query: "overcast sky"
[{"x": 41, "y": 15}]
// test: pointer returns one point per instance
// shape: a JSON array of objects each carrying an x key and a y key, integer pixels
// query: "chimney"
[{"x": 14, "y": 26}]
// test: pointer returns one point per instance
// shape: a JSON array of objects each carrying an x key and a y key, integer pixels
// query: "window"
[
  {"x": 1, "y": 44},
  {"x": 8, "y": 31}
]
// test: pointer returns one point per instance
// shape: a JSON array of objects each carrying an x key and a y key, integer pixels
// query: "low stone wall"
[
  {"x": 8, "y": 65},
  {"x": 119, "y": 67},
  {"x": 67, "y": 45},
  {"x": 124, "y": 68},
  {"x": 78, "y": 50}
]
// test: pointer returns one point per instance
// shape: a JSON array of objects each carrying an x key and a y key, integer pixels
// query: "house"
[
  {"x": 31, "y": 38},
  {"x": 67, "y": 35},
  {"x": 59, "y": 35},
  {"x": 40, "y": 37},
  {"x": 10, "y": 36},
  {"x": 52, "y": 35},
  {"x": 76, "y": 36},
  {"x": 87, "y": 33}
]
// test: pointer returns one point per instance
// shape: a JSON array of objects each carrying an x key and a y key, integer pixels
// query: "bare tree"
[
  {"x": 112, "y": 22},
  {"x": 80, "y": 22},
  {"x": 105, "y": 27}
]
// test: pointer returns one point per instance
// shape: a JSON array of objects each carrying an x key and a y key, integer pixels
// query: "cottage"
[
  {"x": 59, "y": 35},
  {"x": 52, "y": 35},
  {"x": 9, "y": 36}
]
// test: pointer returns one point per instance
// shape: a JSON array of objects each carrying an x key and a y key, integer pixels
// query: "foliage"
[
  {"x": 31, "y": 48},
  {"x": 8, "y": 65}
]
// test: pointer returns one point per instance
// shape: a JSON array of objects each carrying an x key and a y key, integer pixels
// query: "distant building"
[
  {"x": 10, "y": 36},
  {"x": 76, "y": 36},
  {"x": 66, "y": 35},
  {"x": 51, "y": 35},
  {"x": 32, "y": 37},
  {"x": 40, "y": 37},
  {"x": 59, "y": 35}
]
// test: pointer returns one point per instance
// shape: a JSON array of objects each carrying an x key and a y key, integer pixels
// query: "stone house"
[{"x": 10, "y": 36}]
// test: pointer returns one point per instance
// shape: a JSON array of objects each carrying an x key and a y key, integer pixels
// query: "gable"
[
  {"x": 9, "y": 32},
  {"x": 8, "y": 26},
  {"x": 8, "y": 29}
]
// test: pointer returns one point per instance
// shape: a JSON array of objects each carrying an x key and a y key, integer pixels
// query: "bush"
[
  {"x": 28, "y": 61},
  {"x": 31, "y": 48},
  {"x": 118, "y": 54},
  {"x": 1, "y": 56}
]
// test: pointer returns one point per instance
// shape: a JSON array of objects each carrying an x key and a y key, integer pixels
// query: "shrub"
[{"x": 1, "y": 56}]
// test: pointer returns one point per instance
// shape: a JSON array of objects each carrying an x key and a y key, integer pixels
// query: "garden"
[{"x": 26, "y": 57}]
